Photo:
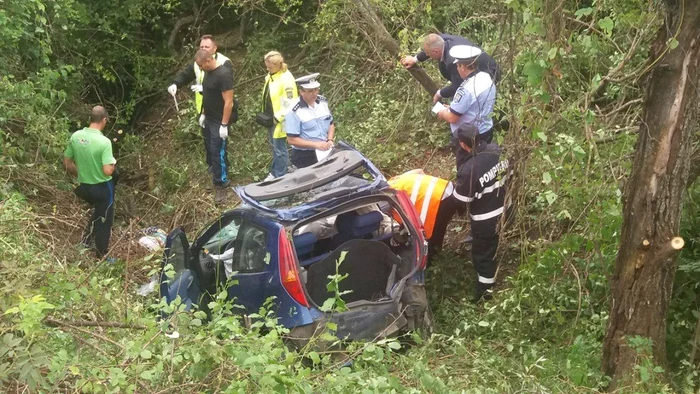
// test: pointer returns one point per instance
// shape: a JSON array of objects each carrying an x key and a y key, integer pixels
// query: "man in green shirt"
[{"x": 89, "y": 157}]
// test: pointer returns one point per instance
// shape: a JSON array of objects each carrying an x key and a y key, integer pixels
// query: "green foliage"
[
  {"x": 543, "y": 331},
  {"x": 336, "y": 303}
]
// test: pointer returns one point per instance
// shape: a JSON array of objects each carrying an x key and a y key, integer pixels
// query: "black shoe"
[
  {"x": 219, "y": 195},
  {"x": 482, "y": 292},
  {"x": 487, "y": 296}
]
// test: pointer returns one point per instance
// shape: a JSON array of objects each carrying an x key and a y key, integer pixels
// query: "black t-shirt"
[{"x": 215, "y": 82}]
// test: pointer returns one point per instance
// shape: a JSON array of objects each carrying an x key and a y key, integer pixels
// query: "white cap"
[
  {"x": 464, "y": 52},
  {"x": 308, "y": 81}
]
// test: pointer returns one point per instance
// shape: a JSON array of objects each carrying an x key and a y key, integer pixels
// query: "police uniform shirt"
[
  {"x": 309, "y": 123},
  {"x": 473, "y": 102},
  {"x": 480, "y": 182}
]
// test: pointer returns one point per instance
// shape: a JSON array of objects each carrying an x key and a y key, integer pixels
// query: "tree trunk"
[
  {"x": 646, "y": 262},
  {"x": 379, "y": 32}
]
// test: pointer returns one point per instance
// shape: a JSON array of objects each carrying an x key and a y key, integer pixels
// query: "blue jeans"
[{"x": 279, "y": 154}]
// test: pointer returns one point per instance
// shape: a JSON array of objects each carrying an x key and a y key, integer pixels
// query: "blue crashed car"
[{"x": 286, "y": 239}]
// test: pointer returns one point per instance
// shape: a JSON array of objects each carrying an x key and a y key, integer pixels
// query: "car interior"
[{"x": 366, "y": 242}]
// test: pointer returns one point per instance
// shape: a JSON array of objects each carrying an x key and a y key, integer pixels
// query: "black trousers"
[
  {"x": 483, "y": 257},
  {"x": 99, "y": 227},
  {"x": 446, "y": 211},
  {"x": 217, "y": 157},
  {"x": 304, "y": 158},
  {"x": 206, "y": 137}
]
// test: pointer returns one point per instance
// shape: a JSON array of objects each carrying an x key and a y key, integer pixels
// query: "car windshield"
[{"x": 348, "y": 183}]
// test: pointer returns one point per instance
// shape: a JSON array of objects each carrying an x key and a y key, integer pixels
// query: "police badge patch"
[
  {"x": 458, "y": 96},
  {"x": 290, "y": 93}
]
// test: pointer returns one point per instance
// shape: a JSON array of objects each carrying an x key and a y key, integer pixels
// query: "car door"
[
  {"x": 177, "y": 277},
  {"x": 233, "y": 254},
  {"x": 252, "y": 272}
]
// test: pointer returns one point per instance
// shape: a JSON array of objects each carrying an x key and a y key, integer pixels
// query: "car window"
[
  {"x": 253, "y": 255},
  {"x": 220, "y": 241}
]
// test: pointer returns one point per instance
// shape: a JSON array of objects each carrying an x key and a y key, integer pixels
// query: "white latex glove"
[
  {"x": 201, "y": 120},
  {"x": 223, "y": 132},
  {"x": 172, "y": 89},
  {"x": 197, "y": 88}
]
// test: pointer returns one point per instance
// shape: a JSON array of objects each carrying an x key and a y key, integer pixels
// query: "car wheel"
[
  {"x": 418, "y": 314},
  {"x": 426, "y": 325}
]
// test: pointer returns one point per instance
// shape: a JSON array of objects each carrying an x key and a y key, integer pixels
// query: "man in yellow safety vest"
[
  {"x": 432, "y": 198},
  {"x": 194, "y": 73}
]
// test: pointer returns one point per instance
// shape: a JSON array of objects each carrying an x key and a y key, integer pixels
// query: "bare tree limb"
[
  {"x": 182, "y": 22},
  {"x": 88, "y": 323},
  {"x": 377, "y": 31}
]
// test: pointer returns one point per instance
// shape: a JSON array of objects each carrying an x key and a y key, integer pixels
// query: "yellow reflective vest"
[
  {"x": 425, "y": 192},
  {"x": 199, "y": 78},
  {"x": 283, "y": 91}
]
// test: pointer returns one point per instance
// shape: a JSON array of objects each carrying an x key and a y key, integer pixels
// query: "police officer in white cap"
[
  {"x": 309, "y": 125},
  {"x": 473, "y": 102},
  {"x": 437, "y": 47}
]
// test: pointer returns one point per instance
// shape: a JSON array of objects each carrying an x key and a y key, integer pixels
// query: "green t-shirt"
[{"x": 90, "y": 150}]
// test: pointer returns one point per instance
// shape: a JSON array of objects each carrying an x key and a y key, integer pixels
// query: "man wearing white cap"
[
  {"x": 473, "y": 102},
  {"x": 437, "y": 47},
  {"x": 309, "y": 125}
]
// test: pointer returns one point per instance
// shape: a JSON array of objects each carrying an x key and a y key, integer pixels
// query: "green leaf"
[
  {"x": 550, "y": 196},
  {"x": 328, "y": 304},
  {"x": 483, "y": 323},
  {"x": 583, "y": 12},
  {"x": 546, "y": 178},
  {"x": 12, "y": 311},
  {"x": 146, "y": 354},
  {"x": 607, "y": 24},
  {"x": 148, "y": 375},
  {"x": 533, "y": 71},
  {"x": 315, "y": 357},
  {"x": 672, "y": 44},
  {"x": 196, "y": 322},
  {"x": 394, "y": 345},
  {"x": 644, "y": 374}
]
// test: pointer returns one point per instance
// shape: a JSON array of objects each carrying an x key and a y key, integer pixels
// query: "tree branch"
[
  {"x": 88, "y": 323},
  {"x": 176, "y": 29}
]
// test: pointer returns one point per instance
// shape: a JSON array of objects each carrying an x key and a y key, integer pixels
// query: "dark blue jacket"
[{"x": 448, "y": 68}]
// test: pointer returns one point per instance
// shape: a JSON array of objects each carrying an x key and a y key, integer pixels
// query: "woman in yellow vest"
[
  {"x": 279, "y": 92},
  {"x": 432, "y": 198}
]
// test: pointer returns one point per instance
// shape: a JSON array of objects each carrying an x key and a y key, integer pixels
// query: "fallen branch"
[
  {"x": 62, "y": 325},
  {"x": 88, "y": 323}
]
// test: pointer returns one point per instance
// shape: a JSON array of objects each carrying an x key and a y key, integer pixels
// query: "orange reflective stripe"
[
  {"x": 433, "y": 196},
  {"x": 425, "y": 192}
]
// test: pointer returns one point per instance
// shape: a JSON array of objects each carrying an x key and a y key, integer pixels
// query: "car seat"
[
  {"x": 350, "y": 225},
  {"x": 304, "y": 244}
]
